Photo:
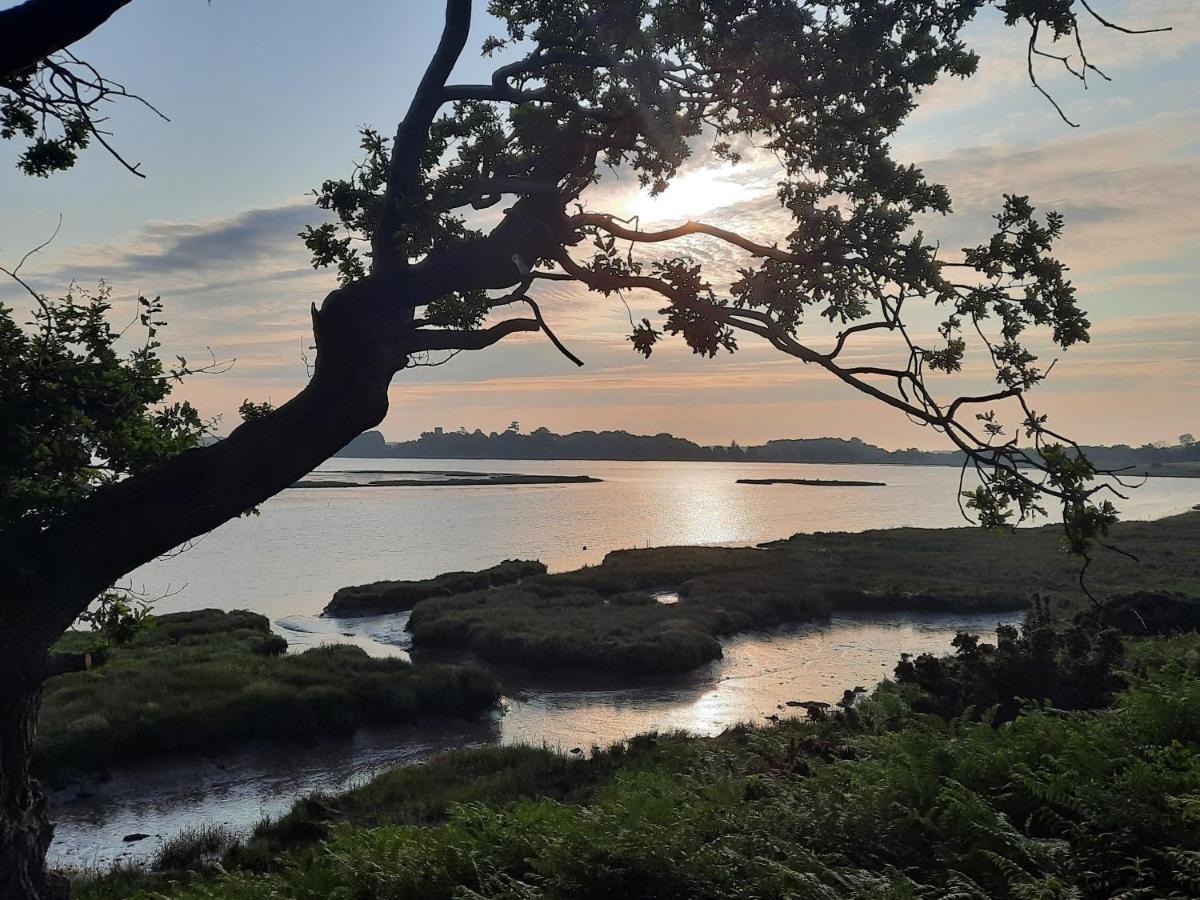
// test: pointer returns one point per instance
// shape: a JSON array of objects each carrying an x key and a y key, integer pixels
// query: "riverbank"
[
  {"x": 912, "y": 792},
  {"x": 610, "y": 617},
  {"x": 206, "y": 679},
  {"x": 758, "y": 673}
]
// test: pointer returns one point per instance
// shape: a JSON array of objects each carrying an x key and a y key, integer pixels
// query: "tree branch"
[
  {"x": 612, "y": 226},
  {"x": 37, "y": 28},
  {"x": 456, "y": 339},
  {"x": 410, "y": 141}
]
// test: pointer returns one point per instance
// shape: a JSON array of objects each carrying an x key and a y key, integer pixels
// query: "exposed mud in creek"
[{"x": 759, "y": 674}]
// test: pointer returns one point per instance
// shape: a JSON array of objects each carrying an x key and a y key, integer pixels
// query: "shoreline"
[{"x": 159, "y": 796}]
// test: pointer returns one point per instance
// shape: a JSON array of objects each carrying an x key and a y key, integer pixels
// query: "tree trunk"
[
  {"x": 49, "y": 576},
  {"x": 25, "y": 829}
]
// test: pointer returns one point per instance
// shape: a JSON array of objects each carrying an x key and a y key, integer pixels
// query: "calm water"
[
  {"x": 307, "y": 543},
  {"x": 758, "y": 675}
]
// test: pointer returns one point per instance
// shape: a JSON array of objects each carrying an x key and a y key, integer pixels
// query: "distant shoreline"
[
  {"x": 1180, "y": 461},
  {"x": 1168, "y": 470}
]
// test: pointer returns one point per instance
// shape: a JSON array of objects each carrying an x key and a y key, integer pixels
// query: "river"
[{"x": 304, "y": 544}]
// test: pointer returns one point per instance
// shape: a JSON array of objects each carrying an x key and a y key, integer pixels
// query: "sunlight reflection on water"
[
  {"x": 759, "y": 673},
  {"x": 308, "y": 543}
]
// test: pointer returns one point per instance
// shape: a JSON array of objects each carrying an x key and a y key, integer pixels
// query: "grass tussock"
[
  {"x": 196, "y": 847},
  {"x": 606, "y": 618},
  {"x": 878, "y": 801},
  {"x": 398, "y": 596},
  {"x": 197, "y": 680}
]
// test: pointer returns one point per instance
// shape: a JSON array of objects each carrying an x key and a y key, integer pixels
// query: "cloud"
[
  {"x": 1130, "y": 195},
  {"x": 259, "y": 242},
  {"x": 1003, "y": 66}
]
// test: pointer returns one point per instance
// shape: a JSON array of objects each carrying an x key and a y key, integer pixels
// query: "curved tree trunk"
[
  {"x": 25, "y": 829},
  {"x": 49, "y": 577}
]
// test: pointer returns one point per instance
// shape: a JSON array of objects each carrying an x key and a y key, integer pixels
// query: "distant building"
[{"x": 437, "y": 429}]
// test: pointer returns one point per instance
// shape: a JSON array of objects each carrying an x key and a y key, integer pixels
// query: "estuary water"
[
  {"x": 305, "y": 544},
  {"x": 287, "y": 561}
]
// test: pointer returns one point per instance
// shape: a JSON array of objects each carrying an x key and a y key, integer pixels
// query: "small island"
[
  {"x": 465, "y": 479},
  {"x": 813, "y": 482}
]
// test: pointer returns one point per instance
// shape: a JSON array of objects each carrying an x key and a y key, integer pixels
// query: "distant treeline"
[{"x": 542, "y": 443}]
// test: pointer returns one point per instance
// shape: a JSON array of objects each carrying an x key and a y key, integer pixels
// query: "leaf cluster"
[{"x": 77, "y": 412}]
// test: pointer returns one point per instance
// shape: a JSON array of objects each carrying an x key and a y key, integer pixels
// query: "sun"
[{"x": 691, "y": 195}]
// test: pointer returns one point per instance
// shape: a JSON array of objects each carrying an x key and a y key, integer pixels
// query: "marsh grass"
[
  {"x": 195, "y": 847},
  {"x": 398, "y": 596},
  {"x": 198, "y": 680},
  {"x": 605, "y": 617},
  {"x": 879, "y": 801}
]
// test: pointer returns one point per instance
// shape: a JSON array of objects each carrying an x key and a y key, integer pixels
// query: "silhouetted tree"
[
  {"x": 50, "y": 97},
  {"x": 628, "y": 84}
]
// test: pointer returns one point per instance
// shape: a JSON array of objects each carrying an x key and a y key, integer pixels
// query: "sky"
[{"x": 265, "y": 98}]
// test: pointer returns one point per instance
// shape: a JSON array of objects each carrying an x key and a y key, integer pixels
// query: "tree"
[
  {"x": 77, "y": 415},
  {"x": 48, "y": 95},
  {"x": 628, "y": 84},
  {"x": 1187, "y": 440}
]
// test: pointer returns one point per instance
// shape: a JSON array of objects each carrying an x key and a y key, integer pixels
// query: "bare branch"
[
  {"x": 1033, "y": 77},
  {"x": 457, "y": 339},
  {"x": 1107, "y": 24},
  {"x": 613, "y": 227}
]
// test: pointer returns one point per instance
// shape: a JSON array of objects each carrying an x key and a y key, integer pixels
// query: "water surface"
[
  {"x": 287, "y": 562},
  {"x": 306, "y": 544},
  {"x": 758, "y": 675}
]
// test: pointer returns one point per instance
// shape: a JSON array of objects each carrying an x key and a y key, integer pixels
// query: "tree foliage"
[
  {"x": 77, "y": 411},
  {"x": 635, "y": 86}
]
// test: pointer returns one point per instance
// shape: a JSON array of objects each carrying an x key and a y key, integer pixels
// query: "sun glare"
[{"x": 691, "y": 195}]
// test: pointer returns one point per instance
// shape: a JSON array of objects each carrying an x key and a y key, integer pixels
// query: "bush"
[{"x": 1071, "y": 669}]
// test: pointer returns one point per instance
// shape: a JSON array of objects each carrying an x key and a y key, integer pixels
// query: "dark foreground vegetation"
[
  {"x": 197, "y": 680},
  {"x": 1054, "y": 762},
  {"x": 607, "y": 617}
]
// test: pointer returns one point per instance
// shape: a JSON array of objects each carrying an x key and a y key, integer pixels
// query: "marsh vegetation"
[
  {"x": 607, "y": 617},
  {"x": 200, "y": 680},
  {"x": 398, "y": 596},
  {"x": 946, "y": 781}
]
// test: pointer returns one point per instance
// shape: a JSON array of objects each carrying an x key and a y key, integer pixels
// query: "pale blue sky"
[{"x": 265, "y": 97}]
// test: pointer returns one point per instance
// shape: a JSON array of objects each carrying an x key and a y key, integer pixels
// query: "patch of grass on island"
[
  {"x": 200, "y": 680},
  {"x": 606, "y": 617},
  {"x": 380, "y": 597},
  {"x": 909, "y": 793}
]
